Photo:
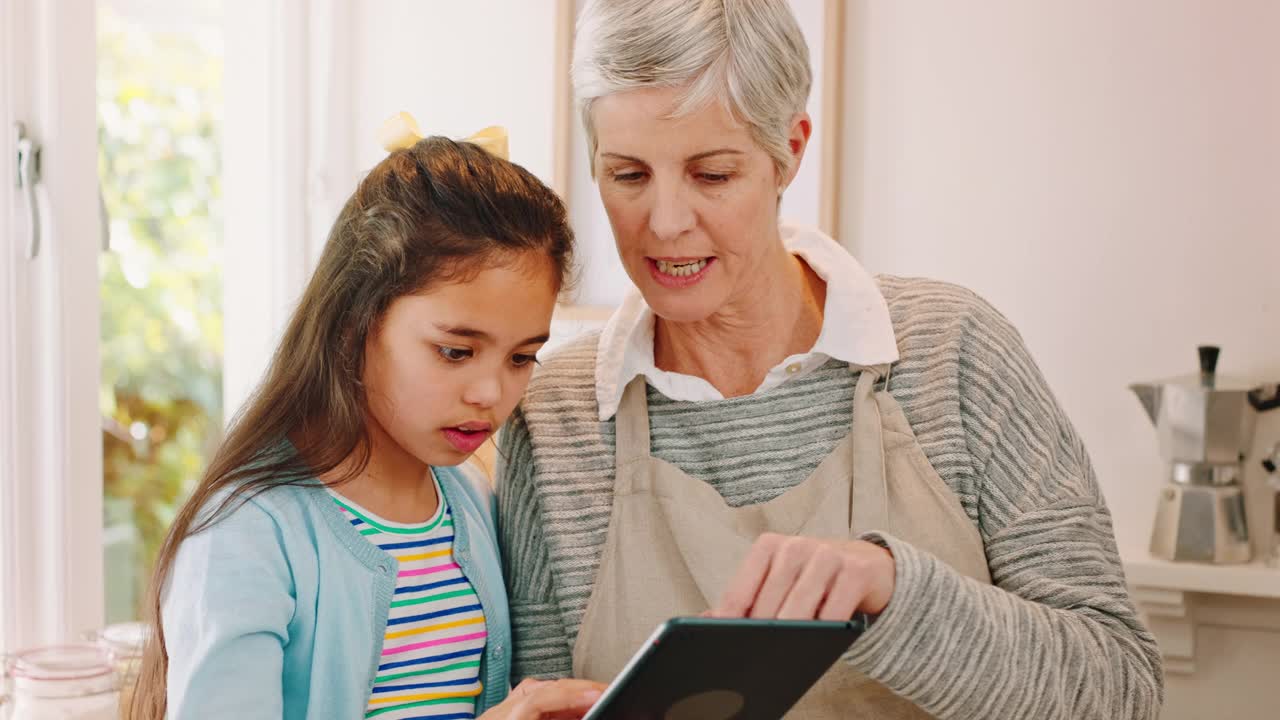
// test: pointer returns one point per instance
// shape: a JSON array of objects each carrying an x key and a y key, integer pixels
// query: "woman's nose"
[{"x": 671, "y": 215}]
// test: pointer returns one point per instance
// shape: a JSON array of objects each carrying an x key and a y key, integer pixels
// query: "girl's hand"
[
  {"x": 547, "y": 700},
  {"x": 800, "y": 578}
]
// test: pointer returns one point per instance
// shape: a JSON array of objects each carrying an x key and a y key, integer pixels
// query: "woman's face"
[
  {"x": 446, "y": 366},
  {"x": 693, "y": 200}
]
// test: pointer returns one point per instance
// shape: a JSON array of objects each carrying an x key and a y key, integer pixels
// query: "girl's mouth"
[{"x": 468, "y": 437}]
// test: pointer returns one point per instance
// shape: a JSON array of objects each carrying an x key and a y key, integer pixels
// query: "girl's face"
[{"x": 446, "y": 366}]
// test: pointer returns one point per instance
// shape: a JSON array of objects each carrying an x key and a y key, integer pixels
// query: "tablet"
[{"x": 724, "y": 669}]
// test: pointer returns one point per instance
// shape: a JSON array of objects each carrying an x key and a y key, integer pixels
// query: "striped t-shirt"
[{"x": 436, "y": 629}]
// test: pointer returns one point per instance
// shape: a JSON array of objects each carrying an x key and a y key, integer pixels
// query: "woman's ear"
[{"x": 797, "y": 141}]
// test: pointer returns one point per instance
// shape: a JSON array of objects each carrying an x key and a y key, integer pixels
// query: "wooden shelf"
[
  {"x": 1254, "y": 579},
  {"x": 1177, "y": 598}
]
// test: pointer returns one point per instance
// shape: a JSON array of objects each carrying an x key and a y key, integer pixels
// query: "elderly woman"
[{"x": 766, "y": 430}]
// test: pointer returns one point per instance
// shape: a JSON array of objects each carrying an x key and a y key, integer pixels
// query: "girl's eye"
[
  {"x": 453, "y": 354},
  {"x": 523, "y": 360}
]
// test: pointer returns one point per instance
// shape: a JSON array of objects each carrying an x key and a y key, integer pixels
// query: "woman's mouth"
[
  {"x": 679, "y": 272},
  {"x": 468, "y": 437}
]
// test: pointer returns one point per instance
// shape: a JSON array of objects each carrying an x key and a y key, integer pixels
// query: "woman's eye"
[
  {"x": 714, "y": 178},
  {"x": 628, "y": 177},
  {"x": 453, "y": 354},
  {"x": 523, "y": 360}
]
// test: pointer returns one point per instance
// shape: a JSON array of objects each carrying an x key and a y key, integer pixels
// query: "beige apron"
[{"x": 673, "y": 544}]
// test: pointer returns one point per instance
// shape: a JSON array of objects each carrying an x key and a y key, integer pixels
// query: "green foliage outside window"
[{"x": 159, "y": 111}]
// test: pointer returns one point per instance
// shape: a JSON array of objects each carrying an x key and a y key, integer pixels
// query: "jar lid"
[
  {"x": 126, "y": 639},
  {"x": 62, "y": 662}
]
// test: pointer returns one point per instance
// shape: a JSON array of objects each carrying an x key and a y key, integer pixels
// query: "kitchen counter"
[
  {"x": 1219, "y": 632},
  {"x": 1253, "y": 579}
]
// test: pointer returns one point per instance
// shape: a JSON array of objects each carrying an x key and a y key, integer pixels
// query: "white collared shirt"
[{"x": 855, "y": 329}]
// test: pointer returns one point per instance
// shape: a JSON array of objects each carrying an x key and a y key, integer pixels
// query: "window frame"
[
  {"x": 50, "y": 432},
  {"x": 52, "y": 584}
]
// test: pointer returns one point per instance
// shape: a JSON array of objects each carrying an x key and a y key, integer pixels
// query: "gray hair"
[{"x": 748, "y": 54}]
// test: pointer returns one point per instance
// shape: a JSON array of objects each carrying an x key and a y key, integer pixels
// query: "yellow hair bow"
[{"x": 401, "y": 131}]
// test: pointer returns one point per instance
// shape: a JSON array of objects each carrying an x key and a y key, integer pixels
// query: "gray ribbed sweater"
[{"x": 1056, "y": 637}]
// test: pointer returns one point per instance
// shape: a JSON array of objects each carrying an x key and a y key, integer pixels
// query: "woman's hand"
[
  {"x": 800, "y": 578},
  {"x": 547, "y": 700}
]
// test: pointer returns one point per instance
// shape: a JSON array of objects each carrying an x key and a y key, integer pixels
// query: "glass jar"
[
  {"x": 62, "y": 682},
  {"x": 125, "y": 643}
]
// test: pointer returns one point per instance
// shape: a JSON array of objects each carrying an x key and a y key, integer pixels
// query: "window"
[{"x": 160, "y": 105}]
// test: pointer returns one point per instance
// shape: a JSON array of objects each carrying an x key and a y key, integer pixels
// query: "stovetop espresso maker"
[{"x": 1205, "y": 426}]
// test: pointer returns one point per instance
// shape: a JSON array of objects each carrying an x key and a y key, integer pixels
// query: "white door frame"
[
  {"x": 51, "y": 576},
  {"x": 285, "y": 89},
  {"x": 51, "y": 489}
]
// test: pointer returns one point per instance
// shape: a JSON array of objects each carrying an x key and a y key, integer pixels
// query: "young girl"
[{"x": 334, "y": 562}]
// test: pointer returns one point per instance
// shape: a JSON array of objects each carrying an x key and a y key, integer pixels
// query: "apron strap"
[
  {"x": 868, "y": 493},
  {"x": 632, "y": 423}
]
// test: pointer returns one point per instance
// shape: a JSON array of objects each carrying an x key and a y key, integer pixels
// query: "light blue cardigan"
[{"x": 279, "y": 609}]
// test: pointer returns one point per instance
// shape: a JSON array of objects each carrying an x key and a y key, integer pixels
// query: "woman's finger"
[
  {"x": 741, "y": 592},
  {"x": 788, "y": 561},
  {"x": 810, "y": 588},
  {"x": 844, "y": 597}
]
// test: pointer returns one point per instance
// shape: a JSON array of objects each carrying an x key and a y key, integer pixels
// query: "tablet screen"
[{"x": 721, "y": 669}]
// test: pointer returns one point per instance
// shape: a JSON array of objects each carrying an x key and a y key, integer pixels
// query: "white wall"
[
  {"x": 801, "y": 201},
  {"x": 1108, "y": 174},
  {"x": 457, "y": 67}
]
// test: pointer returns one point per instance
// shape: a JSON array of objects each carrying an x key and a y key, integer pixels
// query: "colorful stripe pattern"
[{"x": 436, "y": 627}]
